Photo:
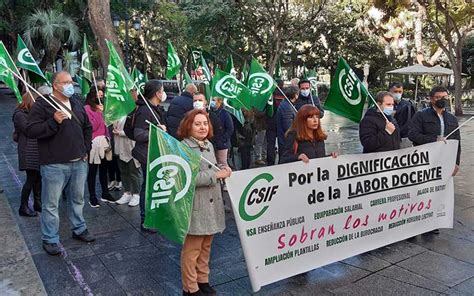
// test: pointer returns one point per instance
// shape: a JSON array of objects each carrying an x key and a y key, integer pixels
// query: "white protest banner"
[{"x": 296, "y": 217}]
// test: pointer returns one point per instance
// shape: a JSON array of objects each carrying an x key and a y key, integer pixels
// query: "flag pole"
[
  {"x": 27, "y": 89},
  {"x": 459, "y": 127},
  {"x": 16, "y": 68},
  {"x": 202, "y": 157},
  {"x": 287, "y": 98},
  {"x": 33, "y": 89},
  {"x": 375, "y": 103},
  {"x": 146, "y": 102},
  {"x": 96, "y": 88}
]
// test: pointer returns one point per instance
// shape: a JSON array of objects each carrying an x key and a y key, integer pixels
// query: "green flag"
[
  {"x": 86, "y": 67},
  {"x": 226, "y": 86},
  {"x": 237, "y": 113},
  {"x": 278, "y": 73},
  {"x": 229, "y": 68},
  {"x": 139, "y": 79},
  {"x": 83, "y": 84},
  {"x": 347, "y": 94},
  {"x": 261, "y": 85},
  {"x": 6, "y": 76},
  {"x": 26, "y": 61},
  {"x": 49, "y": 76},
  {"x": 173, "y": 63},
  {"x": 312, "y": 76},
  {"x": 187, "y": 79},
  {"x": 196, "y": 56},
  {"x": 172, "y": 169},
  {"x": 244, "y": 75},
  {"x": 118, "y": 100},
  {"x": 207, "y": 78}
]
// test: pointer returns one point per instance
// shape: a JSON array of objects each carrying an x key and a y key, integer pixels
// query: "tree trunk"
[
  {"x": 101, "y": 24},
  {"x": 420, "y": 16},
  {"x": 457, "y": 69}
]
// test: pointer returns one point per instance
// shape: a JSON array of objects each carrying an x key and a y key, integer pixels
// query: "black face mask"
[{"x": 441, "y": 103}]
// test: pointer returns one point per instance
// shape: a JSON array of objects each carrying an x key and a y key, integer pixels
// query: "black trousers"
[
  {"x": 245, "y": 156},
  {"x": 271, "y": 136},
  {"x": 32, "y": 183},
  {"x": 91, "y": 178},
  {"x": 113, "y": 170}
]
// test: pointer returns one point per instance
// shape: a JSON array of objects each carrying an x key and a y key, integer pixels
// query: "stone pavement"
[{"x": 124, "y": 261}]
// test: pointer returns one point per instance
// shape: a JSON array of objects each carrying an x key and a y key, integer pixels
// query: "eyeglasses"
[
  {"x": 443, "y": 97},
  {"x": 65, "y": 82}
]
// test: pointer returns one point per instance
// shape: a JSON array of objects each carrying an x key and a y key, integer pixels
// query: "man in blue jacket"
[
  {"x": 285, "y": 115},
  {"x": 178, "y": 107},
  {"x": 403, "y": 112},
  {"x": 306, "y": 97}
]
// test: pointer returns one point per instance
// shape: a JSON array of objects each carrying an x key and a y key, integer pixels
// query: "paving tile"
[
  {"x": 405, "y": 276},
  {"x": 464, "y": 288},
  {"x": 439, "y": 267},
  {"x": 367, "y": 261},
  {"x": 379, "y": 285},
  {"x": 398, "y": 251}
]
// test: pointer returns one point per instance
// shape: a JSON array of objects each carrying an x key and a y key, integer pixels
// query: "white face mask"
[
  {"x": 163, "y": 97},
  {"x": 397, "y": 96},
  {"x": 198, "y": 105},
  {"x": 305, "y": 92}
]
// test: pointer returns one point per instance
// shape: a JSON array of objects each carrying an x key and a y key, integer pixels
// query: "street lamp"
[{"x": 136, "y": 24}]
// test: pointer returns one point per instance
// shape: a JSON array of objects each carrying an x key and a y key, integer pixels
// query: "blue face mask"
[
  {"x": 213, "y": 105},
  {"x": 68, "y": 90},
  {"x": 388, "y": 110}
]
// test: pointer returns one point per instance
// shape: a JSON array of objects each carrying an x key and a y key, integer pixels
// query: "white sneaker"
[
  {"x": 126, "y": 197},
  {"x": 135, "y": 201},
  {"x": 118, "y": 186},
  {"x": 112, "y": 185}
]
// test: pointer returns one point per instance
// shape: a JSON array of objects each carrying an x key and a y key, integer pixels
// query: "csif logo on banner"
[
  {"x": 168, "y": 179},
  {"x": 228, "y": 87},
  {"x": 256, "y": 197},
  {"x": 350, "y": 87}
]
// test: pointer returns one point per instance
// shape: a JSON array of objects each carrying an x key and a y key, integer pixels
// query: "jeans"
[
  {"x": 71, "y": 177},
  {"x": 131, "y": 176},
  {"x": 260, "y": 147},
  {"x": 271, "y": 135},
  {"x": 91, "y": 179}
]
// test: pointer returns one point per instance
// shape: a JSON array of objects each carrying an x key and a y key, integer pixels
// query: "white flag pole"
[{"x": 459, "y": 126}]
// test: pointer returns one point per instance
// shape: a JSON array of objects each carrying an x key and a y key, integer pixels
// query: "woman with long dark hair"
[
  {"x": 28, "y": 158},
  {"x": 305, "y": 138}
]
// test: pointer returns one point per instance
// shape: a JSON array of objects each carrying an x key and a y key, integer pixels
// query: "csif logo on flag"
[
  {"x": 255, "y": 198},
  {"x": 228, "y": 87},
  {"x": 24, "y": 57},
  {"x": 350, "y": 87},
  {"x": 173, "y": 61},
  {"x": 85, "y": 61},
  {"x": 168, "y": 182},
  {"x": 115, "y": 80},
  {"x": 260, "y": 83}
]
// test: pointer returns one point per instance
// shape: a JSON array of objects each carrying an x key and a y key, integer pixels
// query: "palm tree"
[{"x": 48, "y": 30}]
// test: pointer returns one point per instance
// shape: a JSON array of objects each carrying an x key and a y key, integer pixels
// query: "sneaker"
[
  {"x": 85, "y": 236},
  {"x": 51, "y": 249},
  {"x": 204, "y": 287},
  {"x": 118, "y": 186},
  {"x": 126, "y": 197},
  {"x": 197, "y": 293},
  {"x": 26, "y": 212},
  {"x": 135, "y": 201},
  {"x": 94, "y": 203},
  {"x": 107, "y": 197},
  {"x": 112, "y": 185}
]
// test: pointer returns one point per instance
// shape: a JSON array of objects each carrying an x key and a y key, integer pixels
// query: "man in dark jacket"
[
  {"x": 285, "y": 115},
  {"x": 178, "y": 107},
  {"x": 64, "y": 139},
  {"x": 306, "y": 97},
  {"x": 271, "y": 121},
  {"x": 434, "y": 123},
  {"x": 403, "y": 112},
  {"x": 377, "y": 132}
]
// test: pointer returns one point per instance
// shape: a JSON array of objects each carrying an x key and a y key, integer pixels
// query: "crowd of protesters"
[{"x": 65, "y": 146}]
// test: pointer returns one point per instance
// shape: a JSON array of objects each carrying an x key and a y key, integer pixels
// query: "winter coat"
[
  {"x": 177, "y": 109},
  {"x": 227, "y": 125},
  {"x": 271, "y": 121},
  {"x": 97, "y": 121},
  {"x": 372, "y": 133},
  {"x": 312, "y": 149},
  {"x": 301, "y": 101},
  {"x": 208, "y": 215},
  {"x": 285, "y": 116},
  {"x": 122, "y": 144},
  {"x": 425, "y": 127},
  {"x": 404, "y": 112},
  {"x": 59, "y": 143},
  {"x": 218, "y": 140},
  {"x": 141, "y": 128},
  {"x": 27, "y": 147}
]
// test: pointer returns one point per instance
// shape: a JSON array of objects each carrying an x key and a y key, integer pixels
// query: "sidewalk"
[{"x": 124, "y": 261}]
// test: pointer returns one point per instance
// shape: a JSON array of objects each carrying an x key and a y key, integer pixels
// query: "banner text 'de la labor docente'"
[{"x": 295, "y": 217}]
